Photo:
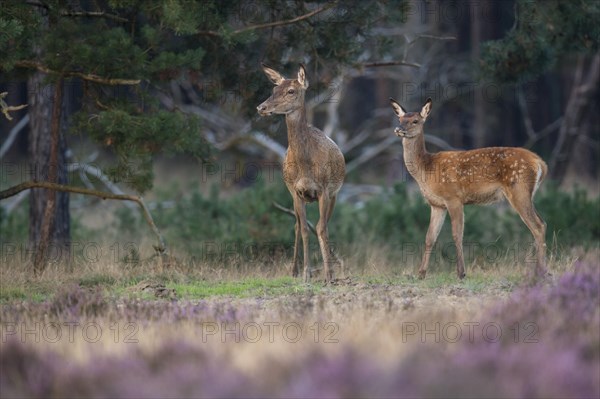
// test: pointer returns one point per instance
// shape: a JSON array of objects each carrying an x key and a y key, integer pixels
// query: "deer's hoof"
[
  {"x": 461, "y": 275},
  {"x": 422, "y": 274}
]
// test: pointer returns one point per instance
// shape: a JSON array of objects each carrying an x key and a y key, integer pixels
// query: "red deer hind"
[
  {"x": 313, "y": 168},
  {"x": 451, "y": 179}
]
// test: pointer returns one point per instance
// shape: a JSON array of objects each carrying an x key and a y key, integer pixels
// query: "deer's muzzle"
[
  {"x": 262, "y": 110},
  {"x": 401, "y": 132}
]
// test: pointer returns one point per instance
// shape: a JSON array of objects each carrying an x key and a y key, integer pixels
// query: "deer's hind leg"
[
  {"x": 326, "y": 205},
  {"x": 297, "y": 237},
  {"x": 520, "y": 197},
  {"x": 457, "y": 217},
  {"x": 303, "y": 229}
]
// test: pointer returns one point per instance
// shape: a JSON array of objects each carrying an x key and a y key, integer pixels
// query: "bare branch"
[
  {"x": 441, "y": 143},
  {"x": 85, "y": 169},
  {"x": 312, "y": 228},
  {"x": 350, "y": 191},
  {"x": 365, "y": 131},
  {"x": 526, "y": 118},
  {"x": 288, "y": 21},
  {"x": 13, "y": 135},
  {"x": 383, "y": 145},
  {"x": 37, "y": 4},
  {"x": 356, "y": 140},
  {"x": 89, "y": 77},
  {"x": 275, "y": 23},
  {"x": 258, "y": 138},
  {"x": 578, "y": 100},
  {"x": 370, "y": 153},
  {"x": 161, "y": 248},
  {"x": 8, "y": 208},
  {"x": 433, "y": 37},
  {"x": 293, "y": 214},
  {"x": 333, "y": 104},
  {"x": 97, "y": 14},
  {"x": 5, "y": 108},
  {"x": 390, "y": 63},
  {"x": 403, "y": 61},
  {"x": 544, "y": 132}
]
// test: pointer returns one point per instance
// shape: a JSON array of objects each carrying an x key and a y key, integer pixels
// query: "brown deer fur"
[
  {"x": 313, "y": 169},
  {"x": 451, "y": 179}
]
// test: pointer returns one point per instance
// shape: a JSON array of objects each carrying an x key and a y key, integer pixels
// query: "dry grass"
[
  {"x": 17, "y": 280},
  {"x": 373, "y": 315}
]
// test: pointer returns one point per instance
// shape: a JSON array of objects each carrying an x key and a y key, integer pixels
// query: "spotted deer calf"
[
  {"x": 451, "y": 179},
  {"x": 313, "y": 168}
]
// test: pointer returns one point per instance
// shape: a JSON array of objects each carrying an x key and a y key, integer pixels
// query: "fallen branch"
[
  {"x": 311, "y": 228},
  {"x": 161, "y": 248},
  {"x": 293, "y": 214}
]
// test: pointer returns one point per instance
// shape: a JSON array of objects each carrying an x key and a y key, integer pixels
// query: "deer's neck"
[
  {"x": 415, "y": 154},
  {"x": 297, "y": 128}
]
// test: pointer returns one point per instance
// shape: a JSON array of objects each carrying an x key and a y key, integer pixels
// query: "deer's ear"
[
  {"x": 397, "y": 107},
  {"x": 302, "y": 77},
  {"x": 273, "y": 75},
  {"x": 426, "y": 109}
]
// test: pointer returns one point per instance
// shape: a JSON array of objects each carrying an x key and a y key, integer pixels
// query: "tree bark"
[{"x": 40, "y": 99}]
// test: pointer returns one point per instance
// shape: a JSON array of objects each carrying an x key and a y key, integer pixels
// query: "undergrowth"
[{"x": 244, "y": 231}]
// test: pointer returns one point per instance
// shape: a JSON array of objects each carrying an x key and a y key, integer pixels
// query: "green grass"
[
  {"x": 194, "y": 283},
  {"x": 16, "y": 293},
  {"x": 244, "y": 288},
  {"x": 96, "y": 279},
  {"x": 255, "y": 287}
]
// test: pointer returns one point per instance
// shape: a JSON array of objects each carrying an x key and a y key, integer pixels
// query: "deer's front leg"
[
  {"x": 457, "y": 218},
  {"x": 436, "y": 221},
  {"x": 300, "y": 209}
]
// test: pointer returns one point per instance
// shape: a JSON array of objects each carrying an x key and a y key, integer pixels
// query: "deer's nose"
[{"x": 262, "y": 109}]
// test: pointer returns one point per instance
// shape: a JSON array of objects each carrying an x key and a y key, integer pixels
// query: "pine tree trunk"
[{"x": 40, "y": 102}]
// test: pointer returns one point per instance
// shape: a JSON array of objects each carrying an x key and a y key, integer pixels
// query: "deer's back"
[{"x": 479, "y": 176}]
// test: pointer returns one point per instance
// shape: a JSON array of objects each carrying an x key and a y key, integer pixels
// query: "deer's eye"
[
  {"x": 291, "y": 91},
  {"x": 415, "y": 122}
]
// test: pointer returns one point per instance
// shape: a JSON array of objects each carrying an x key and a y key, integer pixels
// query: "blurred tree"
[
  {"x": 544, "y": 32},
  {"x": 123, "y": 55}
]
